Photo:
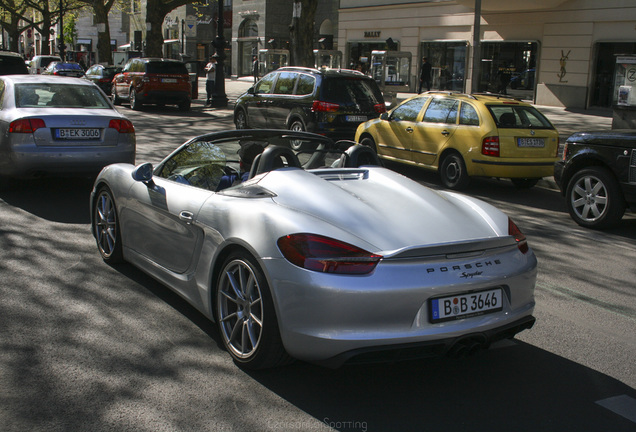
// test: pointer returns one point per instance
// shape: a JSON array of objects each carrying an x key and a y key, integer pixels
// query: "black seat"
[
  {"x": 507, "y": 119},
  {"x": 272, "y": 158},
  {"x": 359, "y": 155}
]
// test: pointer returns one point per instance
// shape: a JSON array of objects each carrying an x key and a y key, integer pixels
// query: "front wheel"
[
  {"x": 245, "y": 314},
  {"x": 106, "y": 226},
  {"x": 594, "y": 198},
  {"x": 453, "y": 172}
]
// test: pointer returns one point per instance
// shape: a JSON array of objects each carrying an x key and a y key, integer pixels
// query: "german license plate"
[
  {"x": 530, "y": 142},
  {"x": 465, "y": 305},
  {"x": 78, "y": 134},
  {"x": 356, "y": 118},
  {"x": 169, "y": 80}
]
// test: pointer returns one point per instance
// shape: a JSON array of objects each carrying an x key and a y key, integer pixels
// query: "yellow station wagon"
[{"x": 464, "y": 136}]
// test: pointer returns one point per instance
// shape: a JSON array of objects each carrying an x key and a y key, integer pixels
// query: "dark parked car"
[
  {"x": 329, "y": 102},
  {"x": 12, "y": 63},
  {"x": 102, "y": 76},
  {"x": 153, "y": 81},
  {"x": 69, "y": 69},
  {"x": 598, "y": 176}
]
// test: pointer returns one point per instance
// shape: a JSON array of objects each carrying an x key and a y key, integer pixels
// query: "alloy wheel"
[{"x": 240, "y": 309}]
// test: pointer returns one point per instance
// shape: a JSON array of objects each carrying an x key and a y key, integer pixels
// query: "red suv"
[{"x": 153, "y": 81}]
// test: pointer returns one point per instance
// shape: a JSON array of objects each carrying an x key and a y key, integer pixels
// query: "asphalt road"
[{"x": 89, "y": 347}]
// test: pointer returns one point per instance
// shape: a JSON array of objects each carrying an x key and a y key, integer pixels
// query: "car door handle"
[
  {"x": 445, "y": 133},
  {"x": 409, "y": 129},
  {"x": 186, "y": 216}
]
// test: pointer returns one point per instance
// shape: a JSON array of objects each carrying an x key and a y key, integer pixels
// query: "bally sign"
[{"x": 372, "y": 34}]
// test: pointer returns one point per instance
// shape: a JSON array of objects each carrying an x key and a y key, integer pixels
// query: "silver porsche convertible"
[{"x": 299, "y": 247}]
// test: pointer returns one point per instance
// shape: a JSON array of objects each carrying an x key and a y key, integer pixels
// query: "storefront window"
[
  {"x": 448, "y": 61},
  {"x": 509, "y": 68},
  {"x": 247, "y": 45},
  {"x": 360, "y": 54},
  {"x": 605, "y": 63}
]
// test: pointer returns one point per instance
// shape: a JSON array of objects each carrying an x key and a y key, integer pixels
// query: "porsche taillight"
[
  {"x": 514, "y": 231},
  {"x": 326, "y": 255},
  {"x": 122, "y": 125},
  {"x": 490, "y": 146},
  {"x": 26, "y": 125}
]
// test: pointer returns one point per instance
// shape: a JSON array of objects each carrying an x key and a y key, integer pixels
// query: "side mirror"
[
  {"x": 143, "y": 173},
  {"x": 251, "y": 91},
  {"x": 384, "y": 116}
]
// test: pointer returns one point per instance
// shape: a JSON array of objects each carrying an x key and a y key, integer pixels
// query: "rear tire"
[
  {"x": 240, "y": 119},
  {"x": 453, "y": 172},
  {"x": 245, "y": 314},
  {"x": 184, "y": 105},
  {"x": 116, "y": 98},
  {"x": 369, "y": 142},
  {"x": 524, "y": 183},
  {"x": 594, "y": 198},
  {"x": 297, "y": 125},
  {"x": 134, "y": 103}
]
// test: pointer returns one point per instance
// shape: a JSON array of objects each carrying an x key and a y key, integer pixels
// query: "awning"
[
  {"x": 171, "y": 41},
  {"x": 125, "y": 46},
  {"x": 84, "y": 42}
]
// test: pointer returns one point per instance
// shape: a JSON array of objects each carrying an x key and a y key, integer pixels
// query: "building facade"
[
  {"x": 264, "y": 25},
  {"x": 553, "y": 52}
]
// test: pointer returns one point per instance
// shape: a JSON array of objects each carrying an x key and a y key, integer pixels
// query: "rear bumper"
[
  {"x": 162, "y": 96},
  {"x": 511, "y": 168},
  {"x": 453, "y": 347},
  {"x": 38, "y": 161}
]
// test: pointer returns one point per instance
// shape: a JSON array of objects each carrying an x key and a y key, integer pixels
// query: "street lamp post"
[
  {"x": 220, "y": 98},
  {"x": 61, "y": 45},
  {"x": 476, "y": 72}
]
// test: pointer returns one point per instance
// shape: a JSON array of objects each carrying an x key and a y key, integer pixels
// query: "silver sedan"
[
  {"x": 310, "y": 250},
  {"x": 58, "y": 125}
]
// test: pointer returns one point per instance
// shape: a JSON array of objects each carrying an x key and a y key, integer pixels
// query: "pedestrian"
[
  {"x": 425, "y": 75},
  {"x": 255, "y": 68},
  {"x": 210, "y": 80}
]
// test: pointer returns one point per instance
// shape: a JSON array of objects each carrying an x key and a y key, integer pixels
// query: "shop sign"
[{"x": 372, "y": 34}]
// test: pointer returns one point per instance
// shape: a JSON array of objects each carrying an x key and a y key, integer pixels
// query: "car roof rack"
[{"x": 497, "y": 95}]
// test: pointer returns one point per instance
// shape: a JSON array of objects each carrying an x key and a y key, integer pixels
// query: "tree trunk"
[
  {"x": 302, "y": 33},
  {"x": 45, "y": 34},
  {"x": 14, "y": 32},
  {"x": 104, "y": 54}
]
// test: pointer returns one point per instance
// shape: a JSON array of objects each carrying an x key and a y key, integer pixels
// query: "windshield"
[
  {"x": 215, "y": 163},
  {"x": 42, "y": 95}
]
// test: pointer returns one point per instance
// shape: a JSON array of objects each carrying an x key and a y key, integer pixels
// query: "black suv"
[
  {"x": 598, "y": 176},
  {"x": 329, "y": 102},
  {"x": 12, "y": 63}
]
